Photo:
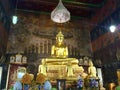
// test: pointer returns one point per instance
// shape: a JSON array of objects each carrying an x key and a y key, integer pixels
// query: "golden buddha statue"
[
  {"x": 59, "y": 50},
  {"x": 91, "y": 69},
  {"x": 59, "y": 53},
  {"x": 42, "y": 68},
  {"x": 57, "y": 66}
]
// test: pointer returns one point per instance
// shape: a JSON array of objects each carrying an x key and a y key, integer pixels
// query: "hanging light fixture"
[
  {"x": 112, "y": 28},
  {"x": 14, "y": 17},
  {"x": 60, "y": 14}
]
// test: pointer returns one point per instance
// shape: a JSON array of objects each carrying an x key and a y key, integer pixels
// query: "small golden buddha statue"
[
  {"x": 59, "y": 50},
  {"x": 91, "y": 69},
  {"x": 43, "y": 68}
]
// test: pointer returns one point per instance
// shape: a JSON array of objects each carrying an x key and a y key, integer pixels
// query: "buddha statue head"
[
  {"x": 59, "y": 38},
  {"x": 43, "y": 62},
  {"x": 90, "y": 63}
]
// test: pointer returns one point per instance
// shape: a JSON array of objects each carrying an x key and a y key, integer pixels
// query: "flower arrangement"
[
  {"x": 80, "y": 83},
  {"x": 41, "y": 78},
  {"x": 27, "y": 78},
  {"x": 93, "y": 83}
]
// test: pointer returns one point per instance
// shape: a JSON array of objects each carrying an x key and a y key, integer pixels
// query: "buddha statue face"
[
  {"x": 90, "y": 63},
  {"x": 59, "y": 38},
  {"x": 43, "y": 62}
]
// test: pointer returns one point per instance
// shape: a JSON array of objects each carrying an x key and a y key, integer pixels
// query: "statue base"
[{"x": 59, "y": 68}]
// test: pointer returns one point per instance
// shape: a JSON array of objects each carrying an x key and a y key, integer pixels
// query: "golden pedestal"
[{"x": 58, "y": 68}]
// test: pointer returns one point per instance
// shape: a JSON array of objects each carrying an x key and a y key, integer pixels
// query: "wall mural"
[{"x": 36, "y": 33}]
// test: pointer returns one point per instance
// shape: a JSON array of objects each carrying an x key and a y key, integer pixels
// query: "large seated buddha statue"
[
  {"x": 59, "y": 52},
  {"x": 59, "y": 65}
]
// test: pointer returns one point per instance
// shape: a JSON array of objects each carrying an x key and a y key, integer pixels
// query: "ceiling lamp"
[
  {"x": 14, "y": 17},
  {"x": 60, "y": 14},
  {"x": 112, "y": 28}
]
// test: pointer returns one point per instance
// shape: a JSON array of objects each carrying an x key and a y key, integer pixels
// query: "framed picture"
[
  {"x": 81, "y": 61},
  {"x": 86, "y": 60},
  {"x": 12, "y": 59},
  {"x": 18, "y": 58},
  {"x": 0, "y": 74},
  {"x": 61, "y": 84}
]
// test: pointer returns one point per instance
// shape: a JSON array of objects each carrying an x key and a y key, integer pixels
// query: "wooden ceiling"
[{"x": 78, "y": 8}]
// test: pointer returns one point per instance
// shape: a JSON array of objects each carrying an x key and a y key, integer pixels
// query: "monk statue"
[
  {"x": 91, "y": 69},
  {"x": 43, "y": 68},
  {"x": 59, "y": 50}
]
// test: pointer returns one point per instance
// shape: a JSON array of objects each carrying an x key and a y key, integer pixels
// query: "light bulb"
[
  {"x": 14, "y": 19},
  {"x": 112, "y": 28}
]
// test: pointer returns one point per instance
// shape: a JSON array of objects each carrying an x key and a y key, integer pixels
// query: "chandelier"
[{"x": 60, "y": 14}]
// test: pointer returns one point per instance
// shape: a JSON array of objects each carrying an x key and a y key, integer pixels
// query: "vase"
[{"x": 26, "y": 87}]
